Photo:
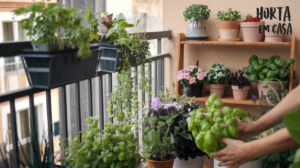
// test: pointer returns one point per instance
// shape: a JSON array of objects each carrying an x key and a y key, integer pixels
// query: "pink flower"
[
  {"x": 200, "y": 70},
  {"x": 198, "y": 73},
  {"x": 187, "y": 76},
  {"x": 192, "y": 67},
  {"x": 203, "y": 74},
  {"x": 188, "y": 119},
  {"x": 199, "y": 77},
  {"x": 190, "y": 70},
  {"x": 179, "y": 76},
  {"x": 185, "y": 70},
  {"x": 192, "y": 80}
]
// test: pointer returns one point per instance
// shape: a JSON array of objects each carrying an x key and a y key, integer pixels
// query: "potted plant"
[
  {"x": 210, "y": 124},
  {"x": 197, "y": 14},
  {"x": 229, "y": 26},
  {"x": 269, "y": 71},
  {"x": 251, "y": 30},
  {"x": 103, "y": 148},
  {"x": 122, "y": 45},
  {"x": 240, "y": 85},
  {"x": 271, "y": 35},
  {"x": 55, "y": 57},
  {"x": 192, "y": 79},
  {"x": 216, "y": 78}
]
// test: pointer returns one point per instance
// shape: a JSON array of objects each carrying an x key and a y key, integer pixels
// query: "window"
[
  {"x": 8, "y": 31},
  {"x": 24, "y": 123},
  {"x": 22, "y": 32}
]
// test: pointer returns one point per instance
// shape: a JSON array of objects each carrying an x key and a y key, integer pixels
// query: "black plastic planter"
[
  {"x": 54, "y": 68},
  {"x": 110, "y": 59},
  {"x": 194, "y": 89}
]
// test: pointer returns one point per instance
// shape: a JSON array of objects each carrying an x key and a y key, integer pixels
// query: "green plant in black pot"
[
  {"x": 192, "y": 78},
  {"x": 54, "y": 27},
  {"x": 217, "y": 77}
]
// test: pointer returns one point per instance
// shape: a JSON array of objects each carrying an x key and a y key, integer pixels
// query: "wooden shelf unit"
[{"x": 181, "y": 41}]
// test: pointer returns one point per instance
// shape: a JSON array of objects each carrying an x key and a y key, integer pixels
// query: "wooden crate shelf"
[
  {"x": 240, "y": 43},
  {"x": 228, "y": 100}
]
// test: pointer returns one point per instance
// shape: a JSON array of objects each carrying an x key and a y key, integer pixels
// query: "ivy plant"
[
  {"x": 54, "y": 23},
  {"x": 196, "y": 11},
  {"x": 228, "y": 15},
  {"x": 218, "y": 74}
]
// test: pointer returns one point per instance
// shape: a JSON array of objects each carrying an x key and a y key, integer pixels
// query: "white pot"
[
  {"x": 191, "y": 163},
  {"x": 251, "y": 164}
]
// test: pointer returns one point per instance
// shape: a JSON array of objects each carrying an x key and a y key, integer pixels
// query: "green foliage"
[
  {"x": 229, "y": 15},
  {"x": 214, "y": 124},
  {"x": 218, "y": 74},
  {"x": 195, "y": 12},
  {"x": 112, "y": 147},
  {"x": 269, "y": 70},
  {"x": 46, "y": 21}
]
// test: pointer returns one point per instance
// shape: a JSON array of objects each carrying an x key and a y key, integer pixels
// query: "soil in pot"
[
  {"x": 240, "y": 94},
  {"x": 194, "y": 89},
  {"x": 216, "y": 88},
  {"x": 251, "y": 31},
  {"x": 190, "y": 163},
  {"x": 273, "y": 84},
  {"x": 229, "y": 31},
  {"x": 251, "y": 164},
  {"x": 160, "y": 164}
]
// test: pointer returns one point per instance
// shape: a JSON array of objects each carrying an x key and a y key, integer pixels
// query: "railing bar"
[
  {"x": 162, "y": 72},
  {"x": 143, "y": 100},
  {"x": 78, "y": 110},
  {"x": 50, "y": 127},
  {"x": 155, "y": 79},
  {"x": 33, "y": 125},
  {"x": 150, "y": 83},
  {"x": 14, "y": 133},
  {"x": 136, "y": 112},
  {"x": 101, "y": 112},
  {"x": 109, "y": 91},
  {"x": 90, "y": 97},
  {"x": 159, "y": 50}
]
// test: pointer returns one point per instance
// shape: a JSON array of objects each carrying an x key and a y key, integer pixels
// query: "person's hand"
[
  {"x": 234, "y": 155},
  {"x": 247, "y": 130}
]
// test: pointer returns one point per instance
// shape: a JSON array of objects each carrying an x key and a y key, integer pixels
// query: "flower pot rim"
[
  {"x": 162, "y": 161},
  {"x": 271, "y": 81},
  {"x": 245, "y": 24},
  {"x": 236, "y": 87}
]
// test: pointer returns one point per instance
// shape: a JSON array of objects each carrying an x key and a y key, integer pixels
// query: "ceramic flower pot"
[
  {"x": 251, "y": 31},
  {"x": 190, "y": 163},
  {"x": 194, "y": 89},
  {"x": 273, "y": 84},
  {"x": 216, "y": 88},
  {"x": 160, "y": 164},
  {"x": 197, "y": 30},
  {"x": 229, "y": 31},
  {"x": 273, "y": 37},
  {"x": 251, "y": 164},
  {"x": 240, "y": 94}
]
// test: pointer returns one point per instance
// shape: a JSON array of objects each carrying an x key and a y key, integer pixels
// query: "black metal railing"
[{"x": 12, "y": 48}]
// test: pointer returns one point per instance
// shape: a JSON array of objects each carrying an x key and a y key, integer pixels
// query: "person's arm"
[{"x": 237, "y": 152}]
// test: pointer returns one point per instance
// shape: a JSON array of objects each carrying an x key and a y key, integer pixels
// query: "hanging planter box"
[
  {"x": 50, "y": 69},
  {"x": 111, "y": 60}
]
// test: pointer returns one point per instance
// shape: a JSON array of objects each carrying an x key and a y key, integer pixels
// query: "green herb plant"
[
  {"x": 271, "y": 69},
  {"x": 206, "y": 130},
  {"x": 194, "y": 12},
  {"x": 54, "y": 23},
  {"x": 218, "y": 74},
  {"x": 292, "y": 123},
  {"x": 228, "y": 15},
  {"x": 112, "y": 147}
]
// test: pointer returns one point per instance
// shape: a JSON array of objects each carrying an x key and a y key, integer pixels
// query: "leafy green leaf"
[{"x": 138, "y": 20}]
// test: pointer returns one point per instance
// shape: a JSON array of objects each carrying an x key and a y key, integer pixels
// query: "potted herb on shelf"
[
  {"x": 103, "y": 147},
  {"x": 192, "y": 79},
  {"x": 268, "y": 72},
  {"x": 229, "y": 26},
  {"x": 240, "y": 85},
  {"x": 197, "y": 14},
  {"x": 59, "y": 58},
  {"x": 251, "y": 29},
  {"x": 217, "y": 77},
  {"x": 122, "y": 45}
]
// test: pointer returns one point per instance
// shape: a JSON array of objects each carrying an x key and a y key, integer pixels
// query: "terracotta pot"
[
  {"x": 190, "y": 163},
  {"x": 240, "y": 94},
  {"x": 251, "y": 31},
  {"x": 160, "y": 164},
  {"x": 216, "y": 88},
  {"x": 272, "y": 37},
  {"x": 229, "y": 30},
  {"x": 251, "y": 164},
  {"x": 274, "y": 84}
]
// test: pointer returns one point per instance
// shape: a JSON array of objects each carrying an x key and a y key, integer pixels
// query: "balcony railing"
[{"x": 12, "y": 48}]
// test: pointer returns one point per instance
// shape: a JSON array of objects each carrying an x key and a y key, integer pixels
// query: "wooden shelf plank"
[
  {"x": 237, "y": 43},
  {"x": 228, "y": 100}
]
